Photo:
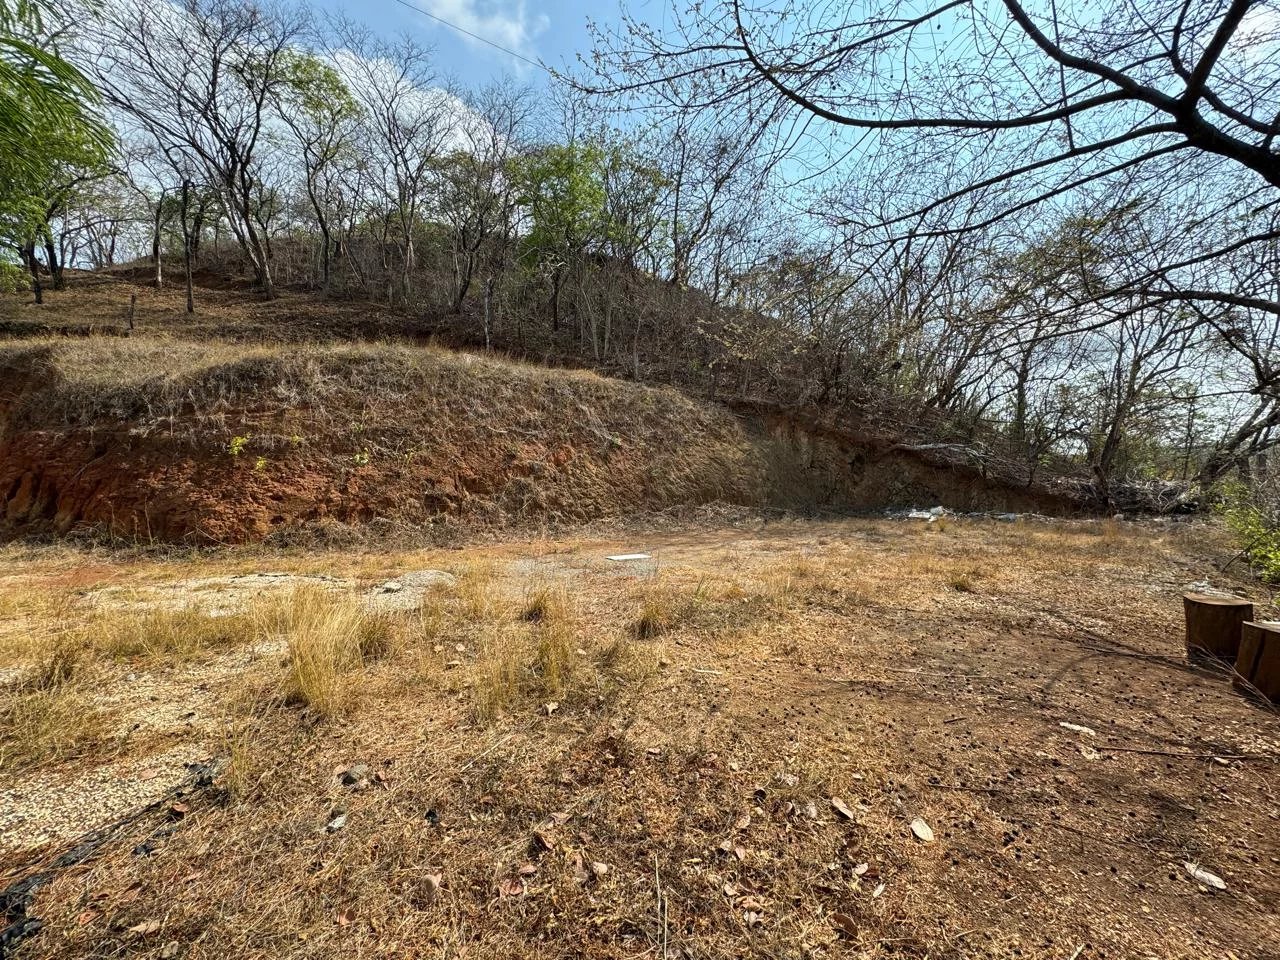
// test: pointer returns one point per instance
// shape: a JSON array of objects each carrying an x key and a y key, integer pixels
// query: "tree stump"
[
  {"x": 1258, "y": 663},
  {"x": 1213, "y": 624}
]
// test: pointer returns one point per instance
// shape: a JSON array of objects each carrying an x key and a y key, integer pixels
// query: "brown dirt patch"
[{"x": 907, "y": 671}]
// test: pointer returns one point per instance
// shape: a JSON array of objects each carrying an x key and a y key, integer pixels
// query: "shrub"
[
  {"x": 13, "y": 278},
  {"x": 1252, "y": 513}
]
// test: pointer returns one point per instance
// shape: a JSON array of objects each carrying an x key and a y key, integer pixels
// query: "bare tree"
[
  {"x": 994, "y": 103},
  {"x": 200, "y": 78}
]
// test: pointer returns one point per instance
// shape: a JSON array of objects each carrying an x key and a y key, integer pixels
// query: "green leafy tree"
[
  {"x": 562, "y": 189},
  {"x": 51, "y": 142},
  {"x": 322, "y": 115}
]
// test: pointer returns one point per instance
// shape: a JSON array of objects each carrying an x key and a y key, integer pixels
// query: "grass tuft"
[{"x": 328, "y": 637}]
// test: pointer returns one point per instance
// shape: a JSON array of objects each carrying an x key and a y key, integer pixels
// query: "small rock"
[
  {"x": 354, "y": 774},
  {"x": 922, "y": 830},
  {"x": 1077, "y": 728},
  {"x": 336, "y": 824},
  {"x": 938, "y": 511},
  {"x": 391, "y": 586}
]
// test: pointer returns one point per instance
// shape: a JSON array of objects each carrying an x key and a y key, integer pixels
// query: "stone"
[{"x": 354, "y": 774}]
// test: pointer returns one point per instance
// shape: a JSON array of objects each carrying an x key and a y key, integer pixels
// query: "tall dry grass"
[
  {"x": 328, "y": 637},
  {"x": 48, "y": 713}
]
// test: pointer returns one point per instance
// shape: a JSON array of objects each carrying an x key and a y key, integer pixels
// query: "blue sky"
[{"x": 550, "y": 30}]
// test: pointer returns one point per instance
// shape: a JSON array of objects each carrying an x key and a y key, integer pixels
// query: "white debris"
[
  {"x": 1076, "y": 728},
  {"x": 1205, "y": 877},
  {"x": 624, "y": 557}
]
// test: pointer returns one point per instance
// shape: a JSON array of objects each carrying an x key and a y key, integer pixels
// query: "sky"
[{"x": 552, "y": 31}]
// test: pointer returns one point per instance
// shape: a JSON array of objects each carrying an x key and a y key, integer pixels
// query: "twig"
[
  {"x": 485, "y": 752},
  {"x": 662, "y": 906},
  {"x": 714, "y": 673},
  {"x": 1191, "y": 756}
]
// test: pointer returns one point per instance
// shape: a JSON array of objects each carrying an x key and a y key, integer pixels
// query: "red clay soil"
[{"x": 224, "y": 444}]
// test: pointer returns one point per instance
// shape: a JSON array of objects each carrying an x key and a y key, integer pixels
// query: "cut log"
[
  {"x": 1258, "y": 663},
  {"x": 1213, "y": 624}
]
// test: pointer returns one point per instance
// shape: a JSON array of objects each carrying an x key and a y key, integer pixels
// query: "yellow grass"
[{"x": 329, "y": 636}]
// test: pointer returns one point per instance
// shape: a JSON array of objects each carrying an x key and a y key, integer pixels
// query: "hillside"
[{"x": 244, "y": 423}]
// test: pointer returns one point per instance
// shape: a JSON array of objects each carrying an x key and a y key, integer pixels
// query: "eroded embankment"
[{"x": 221, "y": 443}]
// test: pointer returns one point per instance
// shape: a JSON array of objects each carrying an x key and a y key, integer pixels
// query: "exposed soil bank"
[{"x": 181, "y": 441}]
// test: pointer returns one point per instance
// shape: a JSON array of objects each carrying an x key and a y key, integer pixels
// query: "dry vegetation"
[{"x": 572, "y": 757}]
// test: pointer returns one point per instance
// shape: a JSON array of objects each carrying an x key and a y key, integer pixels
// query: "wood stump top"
[{"x": 1217, "y": 600}]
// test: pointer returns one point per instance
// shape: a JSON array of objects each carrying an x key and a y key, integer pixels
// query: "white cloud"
[{"x": 506, "y": 23}]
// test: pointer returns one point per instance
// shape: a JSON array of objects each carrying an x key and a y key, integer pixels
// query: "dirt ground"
[{"x": 853, "y": 738}]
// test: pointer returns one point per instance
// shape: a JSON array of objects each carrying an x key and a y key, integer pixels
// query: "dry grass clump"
[
  {"x": 247, "y": 761},
  {"x": 167, "y": 635},
  {"x": 556, "y": 635},
  {"x": 660, "y": 607},
  {"x": 328, "y": 637},
  {"x": 497, "y": 672},
  {"x": 512, "y": 663},
  {"x": 48, "y": 714},
  {"x": 479, "y": 593}
]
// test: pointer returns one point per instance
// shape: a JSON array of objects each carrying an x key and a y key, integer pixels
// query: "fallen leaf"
[
  {"x": 1203, "y": 876},
  {"x": 550, "y": 707},
  {"x": 922, "y": 830},
  {"x": 528, "y": 870},
  {"x": 178, "y": 810},
  {"x": 511, "y": 887},
  {"x": 752, "y": 918},
  {"x": 170, "y": 950},
  {"x": 730, "y": 890},
  {"x": 346, "y": 916},
  {"x": 558, "y": 819},
  {"x": 87, "y": 917},
  {"x": 877, "y": 891},
  {"x": 845, "y": 924},
  {"x": 146, "y": 928},
  {"x": 860, "y": 869},
  {"x": 599, "y": 869},
  {"x": 742, "y": 822},
  {"x": 542, "y": 840},
  {"x": 751, "y": 903},
  {"x": 842, "y": 808}
]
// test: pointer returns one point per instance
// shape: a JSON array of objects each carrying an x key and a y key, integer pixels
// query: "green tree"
[
  {"x": 322, "y": 115},
  {"x": 51, "y": 142},
  {"x": 561, "y": 188}
]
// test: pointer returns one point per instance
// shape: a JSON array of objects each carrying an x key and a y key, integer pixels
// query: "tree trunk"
[
  {"x": 488, "y": 307},
  {"x": 1258, "y": 662},
  {"x": 556, "y": 279},
  {"x": 29, "y": 257},
  {"x": 55, "y": 263},
  {"x": 155, "y": 242},
  {"x": 186, "y": 245}
]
